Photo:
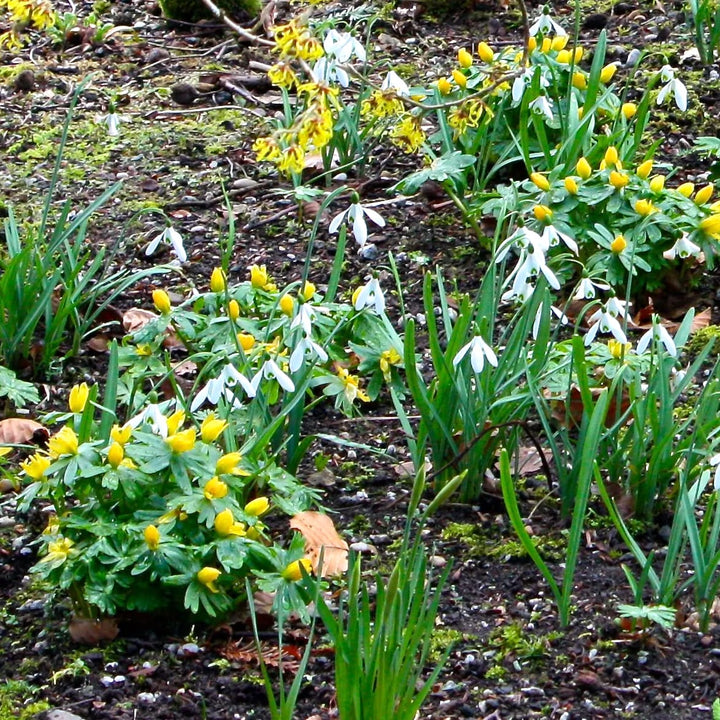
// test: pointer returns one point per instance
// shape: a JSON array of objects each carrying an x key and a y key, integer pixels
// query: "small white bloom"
[
  {"x": 523, "y": 81},
  {"x": 521, "y": 238},
  {"x": 342, "y": 46},
  {"x": 371, "y": 295},
  {"x": 357, "y": 212},
  {"x": 112, "y": 122},
  {"x": 304, "y": 318},
  {"x": 327, "y": 71},
  {"x": 531, "y": 264},
  {"x": 223, "y": 385},
  {"x": 605, "y": 320},
  {"x": 586, "y": 289},
  {"x": 678, "y": 377},
  {"x": 542, "y": 105},
  {"x": 616, "y": 307},
  {"x": 153, "y": 415},
  {"x": 683, "y": 248},
  {"x": 479, "y": 351},
  {"x": 172, "y": 237},
  {"x": 545, "y": 24},
  {"x": 271, "y": 371},
  {"x": 660, "y": 335},
  {"x": 551, "y": 236},
  {"x": 674, "y": 86},
  {"x": 540, "y": 316},
  {"x": 394, "y": 82},
  {"x": 306, "y": 348}
]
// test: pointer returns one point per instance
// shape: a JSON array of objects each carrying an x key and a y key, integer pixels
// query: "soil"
[{"x": 510, "y": 658}]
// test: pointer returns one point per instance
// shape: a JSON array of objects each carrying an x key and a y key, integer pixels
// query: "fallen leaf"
[
  {"x": 321, "y": 537},
  {"x": 136, "y": 319},
  {"x": 91, "y": 632},
  {"x": 21, "y": 431},
  {"x": 701, "y": 320}
]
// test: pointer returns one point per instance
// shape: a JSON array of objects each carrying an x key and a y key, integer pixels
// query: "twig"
[{"x": 239, "y": 29}]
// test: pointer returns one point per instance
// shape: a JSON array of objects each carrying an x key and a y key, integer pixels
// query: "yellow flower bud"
[
  {"x": 686, "y": 189},
  {"x": 606, "y": 74},
  {"x": 704, "y": 194},
  {"x": 618, "y": 179},
  {"x": 215, "y": 488},
  {"x": 162, "y": 301},
  {"x": 444, "y": 86},
  {"x": 35, "y": 466},
  {"x": 618, "y": 244},
  {"x": 286, "y": 304},
  {"x": 579, "y": 80},
  {"x": 644, "y": 169},
  {"x": 581, "y": 113},
  {"x": 578, "y": 53},
  {"x": 485, "y": 52},
  {"x": 355, "y": 295},
  {"x": 121, "y": 435},
  {"x": 564, "y": 57},
  {"x": 571, "y": 186},
  {"x": 617, "y": 349},
  {"x": 628, "y": 110},
  {"x": 583, "y": 168},
  {"x": 258, "y": 276},
  {"x": 308, "y": 291},
  {"x": 233, "y": 310},
  {"x": 464, "y": 58},
  {"x": 78, "y": 398},
  {"x": 459, "y": 78},
  {"x": 543, "y": 213},
  {"x": 152, "y": 537},
  {"x": 644, "y": 208},
  {"x": 257, "y": 507},
  {"x": 64, "y": 442},
  {"x": 227, "y": 464},
  {"x": 144, "y": 350},
  {"x": 715, "y": 207},
  {"x": 211, "y": 428},
  {"x": 532, "y": 44},
  {"x": 115, "y": 454},
  {"x": 657, "y": 183},
  {"x": 559, "y": 42},
  {"x": 207, "y": 577},
  {"x": 246, "y": 340},
  {"x": 225, "y": 524},
  {"x": 611, "y": 156},
  {"x": 183, "y": 441},
  {"x": 294, "y": 571},
  {"x": 217, "y": 280},
  {"x": 540, "y": 181},
  {"x": 175, "y": 421},
  {"x": 711, "y": 225}
]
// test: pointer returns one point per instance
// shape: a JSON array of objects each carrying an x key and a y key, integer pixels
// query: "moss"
[
  {"x": 703, "y": 337},
  {"x": 516, "y": 642},
  {"x": 496, "y": 672},
  {"x": 443, "y": 638},
  {"x": 16, "y": 701}
]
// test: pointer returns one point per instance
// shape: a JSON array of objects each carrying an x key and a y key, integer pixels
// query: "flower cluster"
[{"x": 38, "y": 14}]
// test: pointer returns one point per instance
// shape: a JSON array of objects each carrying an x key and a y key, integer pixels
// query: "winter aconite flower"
[
  {"x": 152, "y": 537},
  {"x": 207, "y": 577},
  {"x": 217, "y": 280},
  {"x": 618, "y": 244},
  {"x": 35, "y": 466},
  {"x": 211, "y": 428},
  {"x": 171, "y": 237},
  {"x": 228, "y": 464},
  {"x": 583, "y": 168},
  {"x": 121, "y": 435},
  {"x": 225, "y": 524},
  {"x": 257, "y": 507},
  {"x": 215, "y": 489},
  {"x": 78, "y": 398},
  {"x": 485, "y": 52},
  {"x": 115, "y": 454},
  {"x": 704, "y": 194},
  {"x": 286, "y": 305},
  {"x": 711, "y": 225},
  {"x": 540, "y": 181},
  {"x": 64, "y": 442},
  {"x": 161, "y": 300},
  {"x": 644, "y": 169},
  {"x": 294, "y": 571},
  {"x": 480, "y": 353},
  {"x": 183, "y": 441}
]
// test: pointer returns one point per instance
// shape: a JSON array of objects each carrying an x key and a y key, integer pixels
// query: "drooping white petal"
[
  {"x": 271, "y": 370},
  {"x": 337, "y": 221}
]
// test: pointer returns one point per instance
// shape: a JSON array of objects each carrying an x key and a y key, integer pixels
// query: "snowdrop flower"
[
  {"x": 306, "y": 348},
  {"x": 660, "y": 335},
  {"x": 542, "y": 105},
  {"x": 394, "y": 82},
  {"x": 153, "y": 415},
  {"x": 545, "y": 24},
  {"x": 531, "y": 264},
  {"x": 683, "y": 248},
  {"x": 586, "y": 289},
  {"x": 616, "y": 307},
  {"x": 271, "y": 371},
  {"x": 357, "y": 212},
  {"x": 715, "y": 462},
  {"x": 677, "y": 377},
  {"x": 326, "y": 71},
  {"x": 605, "y": 320},
  {"x": 370, "y": 295},
  {"x": 551, "y": 236},
  {"x": 674, "y": 86},
  {"x": 342, "y": 46},
  {"x": 223, "y": 384},
  {"x": 521, "y": 83},
  {"x": 304, "y": 318},
  {"x": 479, "y": 351},
  {"x": 540, "y": 316},
  {"x": 172, "y": 237},
  {"x": 112, "y": 122},
  {"x": 523, "y": 237}
]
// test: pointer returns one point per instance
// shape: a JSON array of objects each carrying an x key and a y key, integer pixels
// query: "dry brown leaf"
[
  {"x": 246, "y": 652},
  {"x": 320, "y": 536},
  {"x": 136, "y": 319},
  {"x": 92, "y": 632},
  {"x": 20, "y": 431},
  {"x": 701, "y": 320}
]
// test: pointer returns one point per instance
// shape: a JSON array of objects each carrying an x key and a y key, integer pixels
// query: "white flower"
[
  {"x": 223, "y": 384},
  {"x": 540, "y": 316},
  {"x": 306, "y": 348},
  {"x": 683, "y": 248},
  {"x": 371, "y": 295},
  {"x": 357, "y": 212},
  {"x": 394, "y": 82},
  {"x": 172, "y": 237},
  {"x": 605, "y": 320},
  {"x": 522, "y": 238},
  {"x": 551, "y": 235},
  {"x": 153, "y": 415},
  {"x": 304, "y": 318},
  {"x": 672, "y": 84},
  {"x": 545, "y": 24},
  {"x": 112, "y": 122},
  {"x": 542, "y": 105},
  {"x": 521, "y": 83},
  {"x": 479, "y": 351},
  {"x": 342, "y": 46},
  {"x": 715, "y": 462},
  {"x": 326, "y": 71},
  {"x": 271, "y": 371},
  {"x": 660, "y": 335},
  {"x": 530, "y": 265},
  {"x": 586, "y": 289}
]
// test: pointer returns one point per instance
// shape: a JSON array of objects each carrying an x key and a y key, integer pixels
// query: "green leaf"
[{"x": 447, "y": 167}]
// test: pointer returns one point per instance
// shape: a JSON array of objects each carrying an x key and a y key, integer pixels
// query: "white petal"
[
  {"x": 337, "y": 222},
  {"x": 462, "y": 353},
  {"x": 374, "y": 216},
  {"x": 152, "y": 247},
  {"x": 664, "y": 90},
  {"x": 644, "y": 342},
  {"x": 680, "y": 92},
  {"x": 360, "y": 228}
]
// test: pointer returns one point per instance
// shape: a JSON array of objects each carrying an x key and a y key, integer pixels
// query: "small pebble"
[
  {"x": 369, "y": 252},
  {"x": 147, "y": 698},
  {"x": 188, "y": 650}
]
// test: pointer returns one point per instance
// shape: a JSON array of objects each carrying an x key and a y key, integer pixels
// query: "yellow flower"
[
  {"x": 464, "y": 58},
  {"x": 246, "y": 340},
  {"x": 571, "y": 186},
  {"x": 175, "y": 421},
  {"x": 308, "y": 291},
  {"x": 618, "y": 179},
  {"x": 282, "y": 75},
  {"x": 78, "y": 398},
  {"x": 645, "y": 208},
  {"x": 618, "y": 244},
  {"x": 564, "y": 57},
  {"x": 644, "y": 169},
  {"x": 711, "y": 225},
  {"x": 618, "y": 349},
  {"x": 183, "y": 441},
  {"x": 58, "y": 550},
  {"x": 291, "y": 160},
  {"x": 215, "y": 488},
  {"x": 606, "y": 74},
  {"x": 459, "y": 78},
  {"x": 485, "y": 52},
  {"x": 225, "y": 524},
  {"x": 233, "y": 310},
  {"x": 407, "y": 134},
  {"x": 115, "y": 454},
  {"x": 228, "y": 464},
  {"x": 152, "y": 537},
  {"x": 543, "y": 213},
  {"x": 628, "y": 110},
  {"x": 286, "y": 304},
  {"x": 559, "y": 42},
  {"x": 211, "y": 428},
  {"x": 686, "y": 189},
  {"x": 294, "y": 571},
  {"x": 121, "y": 435},
  {"x": 217, "y": 280},
  {"x": 584, "y": 170},
  {"x": 532, "y": 44},
  {"x": 444, "y": 87},
  {"x": 162, "y": 301},
  {"x": 540, "y": 181},
  {"x": 259, "y": 276},
  {"x": 579, "y": 80},
  {"x": 611, "y": 156},
  {"x": 352, "y": 386},
  {"x": 207, "y": 577},
  {"x": 257, "y": 507},
  {"x": 546, "y": 45},
  {"x": 657, "y": 184},
  {"x": 388, "y": 358},
  {"x": 64, "y": 442},
  {"x": 578, "y": 54},
  {"x": 144, "y": 350},
  {"x": 267, "y": 148},
  {"x": 703, "y": 195},
  {"x": 36, "y": 466}
]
